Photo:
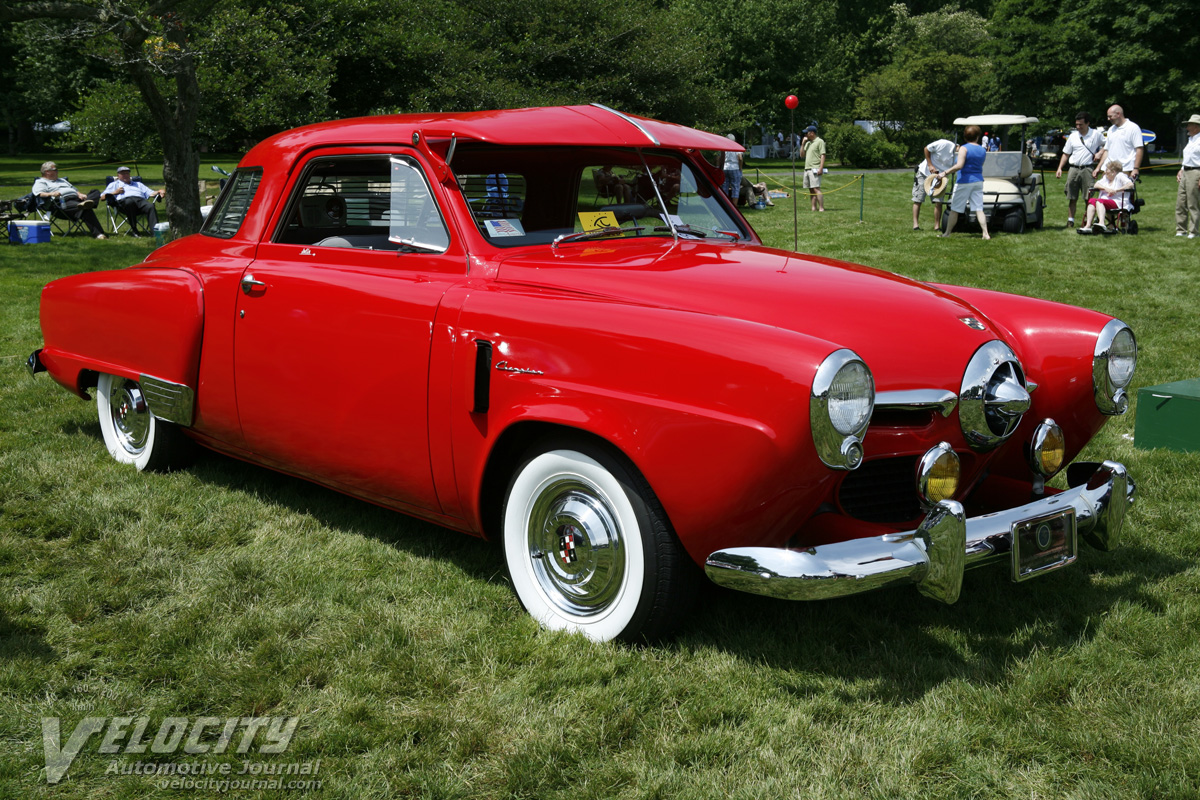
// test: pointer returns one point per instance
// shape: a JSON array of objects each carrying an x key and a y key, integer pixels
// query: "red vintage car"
[{"x": 549, "y": 327}]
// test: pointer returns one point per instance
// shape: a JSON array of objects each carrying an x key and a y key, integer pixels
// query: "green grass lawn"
[{"x": 228, "y": 590}]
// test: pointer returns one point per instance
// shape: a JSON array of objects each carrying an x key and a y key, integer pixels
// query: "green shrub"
[{"x": 855, "y": 147}]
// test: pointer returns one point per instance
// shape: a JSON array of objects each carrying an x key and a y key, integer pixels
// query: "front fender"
[
  {"x": 130, "y": 322},
  {"x": 1056, "y": 344},
  {"x": 712, "y": 411}
]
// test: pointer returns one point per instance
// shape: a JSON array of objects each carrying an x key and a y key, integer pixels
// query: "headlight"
[
  {"x": 843, "y": 397},
  {"x": 1112, "y": 367},
  {"x": 1047, "y": 448}
]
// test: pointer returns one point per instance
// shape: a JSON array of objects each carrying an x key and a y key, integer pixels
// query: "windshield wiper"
[
  {"x": 593, "y": 234},
  {"x": 698, "y": 232}
]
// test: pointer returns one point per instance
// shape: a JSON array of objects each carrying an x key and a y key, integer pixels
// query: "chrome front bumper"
[{"x": 934, "y": 555}]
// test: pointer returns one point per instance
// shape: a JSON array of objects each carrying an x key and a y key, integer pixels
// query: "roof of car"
[
  {"x": 592, "y": 125},
  {"x": 996, "y": 119}
]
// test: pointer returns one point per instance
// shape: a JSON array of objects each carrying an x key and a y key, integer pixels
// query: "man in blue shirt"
[{"x": 134, "y": 198}]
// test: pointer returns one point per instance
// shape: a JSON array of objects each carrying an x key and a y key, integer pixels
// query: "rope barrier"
[{"x": 857, "y": 178}]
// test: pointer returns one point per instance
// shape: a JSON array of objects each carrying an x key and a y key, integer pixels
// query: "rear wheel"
[
  {"x": 131, "y": 433},
  {"x": 589, "y": 549}
]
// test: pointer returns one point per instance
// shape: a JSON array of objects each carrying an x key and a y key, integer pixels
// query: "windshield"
[{"x": 522, "y": 196}]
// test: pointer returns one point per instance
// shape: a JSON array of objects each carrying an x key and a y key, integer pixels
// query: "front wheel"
[
  {"x": 589, "y": 549},
  {"x": 131, "y": 433}
]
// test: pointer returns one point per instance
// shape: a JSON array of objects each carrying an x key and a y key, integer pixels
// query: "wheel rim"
[
  {"x": 576, "y": 547},
  {"x": 130, "y": 415}
]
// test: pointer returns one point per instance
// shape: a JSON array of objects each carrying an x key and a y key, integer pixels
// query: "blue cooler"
[{"x": 27, "y": 231}]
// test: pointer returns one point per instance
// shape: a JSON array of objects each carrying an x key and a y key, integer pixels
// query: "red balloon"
[{"x": 792, "y": 101}]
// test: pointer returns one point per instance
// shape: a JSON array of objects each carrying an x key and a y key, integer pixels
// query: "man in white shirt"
[
  {"x": 135, "y": 199},
  {"x": 1081, "y": 148},
  {"x": 1123, "y": 143},
  {"x": 69, "y": 201},
  {"x": 939, "y": 157},
  {"x": 1187, "y": 201}
]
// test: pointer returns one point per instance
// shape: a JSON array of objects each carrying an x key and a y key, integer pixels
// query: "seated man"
[
  {"x": 754, "y": 193},
  {"x": 135, "y": 199},
  {"x": 68, "y": 199}
]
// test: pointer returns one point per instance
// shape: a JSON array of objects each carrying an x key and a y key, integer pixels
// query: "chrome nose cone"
[{"x": 1007, "y": 397}]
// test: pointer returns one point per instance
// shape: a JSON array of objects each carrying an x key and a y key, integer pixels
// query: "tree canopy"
[{"x": 136, "y": 77}]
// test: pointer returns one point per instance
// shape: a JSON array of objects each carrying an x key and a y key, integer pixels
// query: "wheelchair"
[{"x": 1121, "y": 220}]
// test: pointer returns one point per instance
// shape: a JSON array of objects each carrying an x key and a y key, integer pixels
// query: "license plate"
[{"x": 1043, "y": 544}]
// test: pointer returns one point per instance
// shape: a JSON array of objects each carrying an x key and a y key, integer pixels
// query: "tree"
[
  {"x": 769, "y": 49},
  {"x": 938, "y": 70},
  {"x": 480, "y": 54},
  {"x": 150, "y": 41},
  {"x": 1056, "y": 58}
]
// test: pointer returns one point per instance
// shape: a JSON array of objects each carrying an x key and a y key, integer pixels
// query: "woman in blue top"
[{"x": 969, "y": 188}]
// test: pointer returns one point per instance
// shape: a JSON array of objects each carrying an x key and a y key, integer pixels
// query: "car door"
[{"x": 334, "y": 322}]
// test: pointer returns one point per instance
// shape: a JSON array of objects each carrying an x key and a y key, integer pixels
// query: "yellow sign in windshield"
[{"x": 595, "y": 220}]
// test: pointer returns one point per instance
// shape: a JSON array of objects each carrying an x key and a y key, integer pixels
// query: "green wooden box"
[{"x": 1168, "y": 415}]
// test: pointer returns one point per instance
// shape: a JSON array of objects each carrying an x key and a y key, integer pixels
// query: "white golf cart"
[{"x": 1013, "y": 196}]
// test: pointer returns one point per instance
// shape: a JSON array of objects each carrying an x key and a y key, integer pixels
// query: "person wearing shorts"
[
  {"x": 939, "y": 156},
  {"x": 1079, "y": 151},
  {"x": 813, "y": 151},
  {"x": 968, "y": 190}
]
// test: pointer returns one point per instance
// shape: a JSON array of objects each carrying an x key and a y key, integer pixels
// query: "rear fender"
[{"x": 130, "y": 322}]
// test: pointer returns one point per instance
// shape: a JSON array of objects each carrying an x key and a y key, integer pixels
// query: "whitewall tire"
[
  {"x": 131, "y": 433},
  {"x": 588, "y": 548}
]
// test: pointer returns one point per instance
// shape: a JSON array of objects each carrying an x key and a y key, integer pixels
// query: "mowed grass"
[{"x": 229, "y": 590}]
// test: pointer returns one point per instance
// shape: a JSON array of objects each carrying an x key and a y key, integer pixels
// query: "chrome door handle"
[{"x": 249, "y": 284}]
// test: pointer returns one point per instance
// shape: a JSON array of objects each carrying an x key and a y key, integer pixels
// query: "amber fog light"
[
  {"x": 1047, "y": 448},
  {"x": 937, "y": 475}
]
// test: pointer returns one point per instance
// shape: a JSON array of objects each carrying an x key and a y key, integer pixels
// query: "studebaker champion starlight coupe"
[{"x": 549, "y": 327}]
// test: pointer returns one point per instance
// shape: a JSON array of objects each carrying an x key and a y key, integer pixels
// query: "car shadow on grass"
[
  {"x": 20, "y": 639},
  {"x": 900, "y": 644},
  {"x": 335, "y": 510},
  {"x": 894, "y": 643}
]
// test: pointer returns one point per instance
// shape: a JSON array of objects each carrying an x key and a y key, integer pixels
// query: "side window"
[
  {"x": 234, "y": 203},
  {"x": 364, "y": 202}
]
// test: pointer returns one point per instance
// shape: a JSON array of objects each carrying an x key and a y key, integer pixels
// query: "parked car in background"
[
  {"x": 1048, "y": 149},
  {"x": 549, "y": 327}
]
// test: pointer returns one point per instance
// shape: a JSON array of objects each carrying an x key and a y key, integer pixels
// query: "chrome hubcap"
[
  {"x": 575, "y": 547},
  {"x": 130, "y": 415}
]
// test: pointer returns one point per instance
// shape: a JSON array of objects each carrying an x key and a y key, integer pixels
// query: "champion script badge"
[{"x": 504, "y": 367}]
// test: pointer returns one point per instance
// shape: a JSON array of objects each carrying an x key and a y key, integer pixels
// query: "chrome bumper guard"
[{"x": 934, "y": 555}]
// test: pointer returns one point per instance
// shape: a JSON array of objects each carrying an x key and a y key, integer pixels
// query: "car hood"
[{"x": 912, "y": 335}]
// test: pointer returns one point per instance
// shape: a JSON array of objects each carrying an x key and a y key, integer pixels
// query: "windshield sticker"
[
  {"x": 503, "y": 227},
  {"x": 598, "y": 220}
]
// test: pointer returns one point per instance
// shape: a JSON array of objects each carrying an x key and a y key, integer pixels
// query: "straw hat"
[
  {"x": 935, "y": 185},
  {"x": 1195, "y": 118}
]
